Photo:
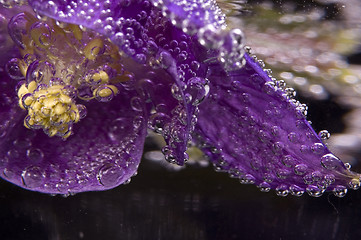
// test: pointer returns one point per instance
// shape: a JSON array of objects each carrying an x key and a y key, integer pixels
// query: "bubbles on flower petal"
[
  {"x": 13, "y": 68},
  {"x": 264, "y": 187},
  {"x": 339, "y": 191},
  {"x": 288, "y": 161},
  {"x": 82, "y": 111},
  {"x": 329, "y": 161},
  {"x": 354, "y": 184},
  {"x": 17, "y": 28},
  {"x": 40, "y": 72},
  {"x": 282, "y": 190},
  {"x": 121, "y": 126},
  {"x": 110, "y": 175},
  {"x": 296, "y": 190},
  {"x": 314, "y": 191},
  {"x": 157, "y": 122},
  {"x": 105, "y": 93},
  {"x": 247, "y": 179},
  {"x": 34, "y": 154},
  {"x": 33, "y": 177},
  {"x": 300, "y": 169}
]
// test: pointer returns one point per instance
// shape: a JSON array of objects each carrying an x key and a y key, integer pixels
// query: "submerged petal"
[
  {"x": 104, "y": 152},
  {"x": 250, "y": 126},
  {"x": 171, "y": 59},
  {"x": 253, "y": 130}
]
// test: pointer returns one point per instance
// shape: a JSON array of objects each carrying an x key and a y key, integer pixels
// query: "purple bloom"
[{"x": 91, "y": 76}]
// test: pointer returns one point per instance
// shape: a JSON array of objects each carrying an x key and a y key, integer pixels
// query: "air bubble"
[
  {"x": 283, "y": 173},
  {"x": 318, "y": 148},
  {"x": 264, "y": 187},
  {"x": 300, "y": 169},
  {"x": 296, "y": 190},
  {"x": 33, "y": 177},
  {"x": 169, "y": 155},
  {"x": 314, "y": 191},
  {"x": 282, "y": 190},
  {"x": 288, "y": 161},
  {"x": 329, "y": 161},
  {"x": 104, "y": 93},
  {"x": 176, "y": 92},
  {"x": 34, "y": 155},
  {"x": 17, "y": 29},
  {"x": 308, "y": 179},
  {"x": 324, "y": 134},
  {"x": 247, "y": 179},
  {"x": 339, "y": 191},
  {"x": 136, "y": 104},
  {"x": 157, "y": 121},
  {"x": 110, "y": 175},
  {"x": 13, "y": 69}
]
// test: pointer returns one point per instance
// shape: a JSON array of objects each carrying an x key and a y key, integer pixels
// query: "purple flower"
[{"x": 91, "y": 76}]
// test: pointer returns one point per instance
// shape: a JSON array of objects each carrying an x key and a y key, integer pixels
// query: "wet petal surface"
[
  {"x": 104, "y": 152},
  {"x": 143, "y": 33},
  {"x": 259, "y": 136}
]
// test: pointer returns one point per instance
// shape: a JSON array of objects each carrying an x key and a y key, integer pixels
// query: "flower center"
[{"x": 61, "y": 63}]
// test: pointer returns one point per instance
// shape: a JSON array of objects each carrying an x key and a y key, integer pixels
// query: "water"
[{"x": 196, "y": 203}]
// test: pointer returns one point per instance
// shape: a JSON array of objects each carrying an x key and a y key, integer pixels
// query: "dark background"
[{"x": 195, "y": 203}]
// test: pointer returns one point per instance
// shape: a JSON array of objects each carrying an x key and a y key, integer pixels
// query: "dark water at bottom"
[{"x": 195, "y": 203}]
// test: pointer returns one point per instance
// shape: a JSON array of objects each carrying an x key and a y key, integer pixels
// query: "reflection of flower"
[{"x": 178, "y": 71}]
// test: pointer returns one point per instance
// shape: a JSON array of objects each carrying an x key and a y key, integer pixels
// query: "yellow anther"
[
  {"x": 114, "y": 88},
  {"x": 32, "y": 86},
  {"x": 65, "y": 99},
  {"x": 74, "y": 116},
  {"x": 50, "y": 109},
  {"x": 20, "y": 102},
  {"x": 100, "y": 77},
  {"x": 23, "y": 67},
  {"x": 40, "y": 36},
  {"x": 78, "y": 33},
  {"x": 28, "y": 101},
  {"x": 67, "y": 135},
  {"x": 22, "y": 91},
  {"x": 49, "y": 102},
  {"x": 92, "y": 49},
  {"x": 105, "y": 91},
  {"x": 59, "y": 109},
  {"x": 52, "y": 132}
]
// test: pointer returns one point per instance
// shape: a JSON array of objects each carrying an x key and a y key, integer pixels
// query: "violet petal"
[
  {"x": 250, "y": 129},
  {"x": 104, "y": 152},
  {"x": 142, "y": 32}
]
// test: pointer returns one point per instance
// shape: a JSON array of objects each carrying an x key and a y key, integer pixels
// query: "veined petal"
[
  {"x": 104, "y": 152},
  {"x": 252, "y": 130}
]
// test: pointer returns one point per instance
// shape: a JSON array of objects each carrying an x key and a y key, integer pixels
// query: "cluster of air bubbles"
[
  {"x": 193, "y": 14},
  {"x": 229, "y": 44},
  {"x": 275, "y": 84},
  {"x": 232, "y": 52},
  {"x": 61, "y": 62},
  {"x": 12, "y": 3}
]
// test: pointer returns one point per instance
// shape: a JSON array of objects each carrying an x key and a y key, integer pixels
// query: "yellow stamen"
[
  {"x": 78, "y": 33},
  {"x": 55, "y": 107},
  {"x": 92, "y": 49}
]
